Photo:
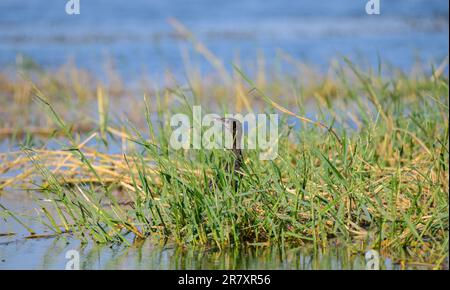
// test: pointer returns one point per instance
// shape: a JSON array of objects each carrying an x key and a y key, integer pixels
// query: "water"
[
  {"x": 137, "y": 36},
  {"x": 51, "y": 254}
]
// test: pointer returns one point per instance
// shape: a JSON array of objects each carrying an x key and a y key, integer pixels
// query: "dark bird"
[
  {"x": 234, "y": 127},
  {"x": 233, "y": 165}
]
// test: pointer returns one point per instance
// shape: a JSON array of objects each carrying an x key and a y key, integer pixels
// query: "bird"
[{"x": 234, "y": 127}]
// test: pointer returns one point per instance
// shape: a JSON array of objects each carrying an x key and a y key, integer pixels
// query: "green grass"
[{"x": 384, "y": 183}]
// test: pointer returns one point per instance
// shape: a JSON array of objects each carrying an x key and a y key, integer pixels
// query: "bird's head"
[
  {"x": 234, "y": 127},
  {"x": 231, "y": 124}
]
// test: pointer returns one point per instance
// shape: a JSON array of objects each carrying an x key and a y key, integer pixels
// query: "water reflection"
[{"x": 50, "y": 254}]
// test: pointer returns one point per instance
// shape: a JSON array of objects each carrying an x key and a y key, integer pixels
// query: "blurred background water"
[{"x": 135, "y": 33}]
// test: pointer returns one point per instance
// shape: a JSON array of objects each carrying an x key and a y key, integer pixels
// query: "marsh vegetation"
[{"x": 363, "y": 158}]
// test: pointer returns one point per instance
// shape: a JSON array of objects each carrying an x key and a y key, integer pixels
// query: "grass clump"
[{"x": 372, "y": 166}]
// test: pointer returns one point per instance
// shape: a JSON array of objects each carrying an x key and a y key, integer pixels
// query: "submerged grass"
[{"x": 384, "y": 181}]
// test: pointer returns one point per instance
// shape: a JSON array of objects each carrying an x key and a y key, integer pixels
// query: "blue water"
[{"x": 135, "y": 33}]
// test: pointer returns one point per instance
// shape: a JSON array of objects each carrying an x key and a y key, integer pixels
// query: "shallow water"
[
  {"x": 18, "y": 251},
  {"x": 50, "y": 254}
]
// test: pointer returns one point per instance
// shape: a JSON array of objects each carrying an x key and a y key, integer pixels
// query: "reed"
[{"x": 370, "y": 164}]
